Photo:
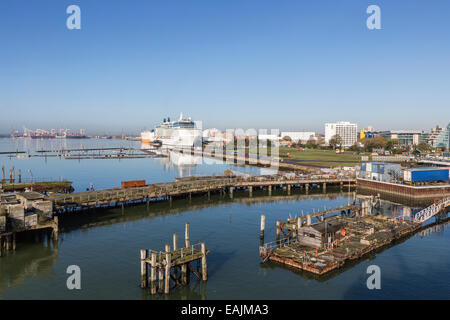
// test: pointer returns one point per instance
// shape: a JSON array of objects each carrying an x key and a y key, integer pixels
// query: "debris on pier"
[
  {"x": 24, "y": 212},
  {"x": 330, "y": 242}
]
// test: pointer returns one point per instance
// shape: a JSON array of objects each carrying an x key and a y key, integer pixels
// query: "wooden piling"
[
  {"x": 278, "y": 229},
  {"x": 204, "y": 267},
  {"x": 186, "y": 235},
  {"x": 168, "y": 265},
  {"x": 14, "y": 241},
  {"x": 160, "y": 275},
  {"x": 270, "y": 190},
  {"x": 175, "y": 242},
  {"x": 263, "y": 224},
  {"x": 184, "y": 279},
  {"x": 153, "y": 274},
  {"x": 143, "y": 268},
  {"x": 308, "y": 220},
  {"x": 250, "y": 191}
]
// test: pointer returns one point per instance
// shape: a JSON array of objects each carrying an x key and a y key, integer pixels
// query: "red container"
[{"x": 133, "y": 184}]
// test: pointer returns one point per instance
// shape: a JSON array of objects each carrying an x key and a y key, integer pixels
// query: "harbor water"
[{"x": 105, "y": 244}]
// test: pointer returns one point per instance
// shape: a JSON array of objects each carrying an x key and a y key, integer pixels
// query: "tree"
[
  {"x": 355, "y": 147},
  {"x": 311, "y": 144},
  {"x": 423, "y": 146},
  {"x": 392, "y": 143},
  {"x": 335, "y": 141},
  {"x": 287, "y": 138},
  {"x": 374, "y": 143}
]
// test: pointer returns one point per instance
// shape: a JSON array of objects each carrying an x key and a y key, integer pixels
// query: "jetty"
[{"x": 187, "y": 188}]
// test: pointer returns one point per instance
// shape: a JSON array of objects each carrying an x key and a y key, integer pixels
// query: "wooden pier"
[
  {"x": 167, "y": 191},
  {"x": 175, "y": 265}
]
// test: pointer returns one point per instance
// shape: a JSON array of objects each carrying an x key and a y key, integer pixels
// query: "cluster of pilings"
[
  {"x": 12, "y": 175},
  {"x": 173, "y": 264}
]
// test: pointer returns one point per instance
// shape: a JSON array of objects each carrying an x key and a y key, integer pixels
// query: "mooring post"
[
  {"x": 14, "y": 241},
  {"x": 186, "y": 235},
  {"x": 306, "y": 188},
  {"x": 231, "y": 192},
  {"x": 308, "y": 220},
  {"x": 143, "y": 268},
  {"x": 263, "y": 224},
  {"x": 250, "y": 191},
  {"x": 270, "y": 190},
  {"x": 160, "y": 275},
  {"x": 299, "y": 224},
  {"x": 204, "y": 268},
  {"x": 153, "y": 274},
  {"x": 278, "y": 229},
  {"x": 175, "y": 248},
  {"x": 55, "y": 227},
  {"x": 175, "y": 242},
  {"x": 324, "y": 187},
  {"x": 289, "y": 189},
  {"x": 168, "y": 266}
]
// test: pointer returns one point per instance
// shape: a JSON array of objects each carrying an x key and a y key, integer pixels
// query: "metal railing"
[
  {"x": 432, "y": 210},
  {"x": 270, "y": 246}
]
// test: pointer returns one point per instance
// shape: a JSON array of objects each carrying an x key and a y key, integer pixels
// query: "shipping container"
[
  {"x": 133, "y": 183},
  {"x": 426, "y": 174}
]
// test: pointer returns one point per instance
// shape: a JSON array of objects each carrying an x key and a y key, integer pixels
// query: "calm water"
[{"x": 106, "y": 246}]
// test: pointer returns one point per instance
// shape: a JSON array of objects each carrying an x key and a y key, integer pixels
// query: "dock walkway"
[{"x": 168, "y": 190}]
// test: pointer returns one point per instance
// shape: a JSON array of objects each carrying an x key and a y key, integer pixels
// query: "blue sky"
[{"x": 287, "y": 64}]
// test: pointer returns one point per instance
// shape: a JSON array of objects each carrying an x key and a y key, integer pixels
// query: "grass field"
[{"x": 320, "y": 158}]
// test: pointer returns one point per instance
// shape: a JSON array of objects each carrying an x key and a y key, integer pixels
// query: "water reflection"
[{"x": 32, "y": 259}]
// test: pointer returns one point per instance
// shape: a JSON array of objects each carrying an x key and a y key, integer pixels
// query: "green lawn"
[{"x": 319, "y": 157}]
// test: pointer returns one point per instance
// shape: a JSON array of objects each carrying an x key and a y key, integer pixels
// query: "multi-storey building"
[{"x": 346, "y": 130}]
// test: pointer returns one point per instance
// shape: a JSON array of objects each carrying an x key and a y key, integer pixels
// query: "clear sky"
[{"x": 288, "y": 64}]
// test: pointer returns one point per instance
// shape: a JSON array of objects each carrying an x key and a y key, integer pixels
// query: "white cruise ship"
[{"x": 180, "y": 133}]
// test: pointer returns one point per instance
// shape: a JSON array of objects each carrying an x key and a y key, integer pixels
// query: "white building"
[
  {"x": 299, "y": 136},
  {"x": 346, "y": 130}
]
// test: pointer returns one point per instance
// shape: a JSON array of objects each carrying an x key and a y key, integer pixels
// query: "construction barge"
[{"x": 331, "y": 242}]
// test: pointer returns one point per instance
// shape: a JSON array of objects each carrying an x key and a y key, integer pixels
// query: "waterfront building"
[
  {"x": 444, "y": 139},
  {"x": 434, "y": 135},
  {"x": 346, "y": 130},
  {"x": 406, "y": 137}
]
